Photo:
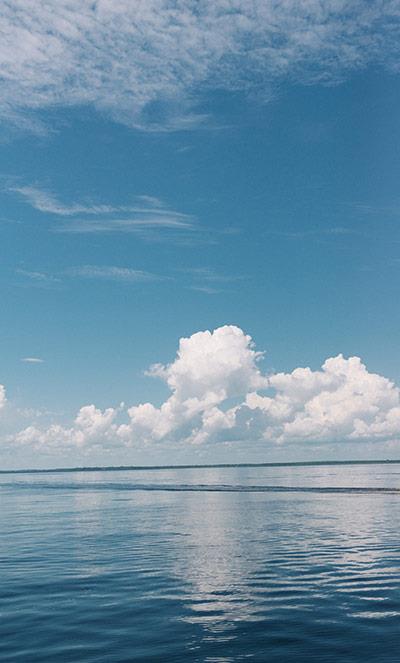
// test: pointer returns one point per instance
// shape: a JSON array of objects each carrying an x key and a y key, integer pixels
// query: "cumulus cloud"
[
  {"x": 91, "y": 427},
  {"x": 342, "y": 401},
  {"x": 144, "y": 62},
  {"x": 218, "y": 393},
  {"x": 209, "y": 369}
]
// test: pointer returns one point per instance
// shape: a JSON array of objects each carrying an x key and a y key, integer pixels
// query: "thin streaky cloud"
[
  {"x": 207, "y": 290},
  {"x": 9, "y": 221},
  {"x": 37, "y": 277},
  {"x": 48, "y": 203},
  {"x": 112, "y": 273},
  {"x": 319, "y": 232},
  {"x": 210, "y": 275},
  {"x": 45, "y": 201},
  {"x": 208, "y": 281},
  {"x": 94, "y": 272},
  {"x": 151, "y": 200},
  {"x": 130, "y": 225},
  {"x": 146, "y": 63},
  {"x": 151, "y": 215},
  {"x": 391, "y": 210},
  {"x": 32, "y": 360}
]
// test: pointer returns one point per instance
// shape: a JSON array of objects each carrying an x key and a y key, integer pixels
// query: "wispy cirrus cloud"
[
  {"x": 49, "y": 203},
  {"x": 32, "y": 360},
  {"x": 204, "y": 280},
  {"x": 150, "y": 200},
  {"x": 206, "y": 289},
  {"x": 38, "y": 279},
  {"x": 210, "y": 275},
  {"x": 140, "y": 224},
  {"x": 209, "y": 281},
  {"x": 149, "y": 214},
  {"x": 110, "y": 273},
  {"x": 34, "y": 275},
  {"x": 113, "y": 273},
  {"x": 145, "y": 63},
  {"x": 314, "y": 233}
]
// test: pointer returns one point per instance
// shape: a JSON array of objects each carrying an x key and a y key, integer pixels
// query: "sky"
[{"x": 199, "y": 232}]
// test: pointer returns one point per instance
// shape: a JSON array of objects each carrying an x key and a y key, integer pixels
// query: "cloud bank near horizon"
[
  {"x": 146, "y": 63},
  {"x": 218, "y": 394}
]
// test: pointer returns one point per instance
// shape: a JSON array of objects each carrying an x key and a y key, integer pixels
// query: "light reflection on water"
[{"x": 95, "y": 571}]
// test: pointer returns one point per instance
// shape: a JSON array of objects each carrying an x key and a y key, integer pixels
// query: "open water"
[{"x": 269, "y": 564}]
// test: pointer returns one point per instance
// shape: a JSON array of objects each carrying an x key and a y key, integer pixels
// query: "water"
[{"x": 269, "y": 564}]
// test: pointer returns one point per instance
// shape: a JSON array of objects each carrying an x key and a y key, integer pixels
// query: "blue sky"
[{"x": 184, "y": 191}]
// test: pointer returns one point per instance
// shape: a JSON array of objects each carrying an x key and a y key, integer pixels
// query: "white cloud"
[
  {"x": 90, "y": 427},
  {"x": 38, "y": 279},
  {"x": 32, "y": 360},
  {"x": 110, "y": 273},
  {"x": 206, "y": 289},
  {"x": 220, "y": 361},
  {"x": 150, "y": 216},
  {"x": 208, "y": 281},
  {"x": 219, "y": 394},
  {"x": 141, "y": 224},
  {"x": 3, "y": 398},
  {"x": 152, "y": 201},
  {"x": 342, "y": 401},
  {"x": 209, "y": 368},
  {"x": 48, "y": 203},
  {"x": 143, "y": 62},
  {"x": 209, "y": 275}
]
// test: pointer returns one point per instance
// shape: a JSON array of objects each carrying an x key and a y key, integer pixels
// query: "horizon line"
[{"x": 121, "y": 468}]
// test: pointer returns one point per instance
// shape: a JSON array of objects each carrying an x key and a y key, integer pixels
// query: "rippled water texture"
[{"x": 285, "y": 564}]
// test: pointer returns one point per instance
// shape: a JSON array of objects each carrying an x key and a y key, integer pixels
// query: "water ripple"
[{"x": 209, "y": 566}]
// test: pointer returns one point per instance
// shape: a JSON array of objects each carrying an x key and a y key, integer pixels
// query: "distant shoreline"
[{"x": 137, "y": 468}]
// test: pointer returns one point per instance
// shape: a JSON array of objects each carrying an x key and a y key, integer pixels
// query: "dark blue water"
[{"x": 285, "y": 564}]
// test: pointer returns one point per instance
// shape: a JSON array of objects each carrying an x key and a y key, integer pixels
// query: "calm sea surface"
[{"x": 271, "y": 564}]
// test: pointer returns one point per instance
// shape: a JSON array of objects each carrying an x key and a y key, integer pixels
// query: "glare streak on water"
[{"x": 223, "y": 564}]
